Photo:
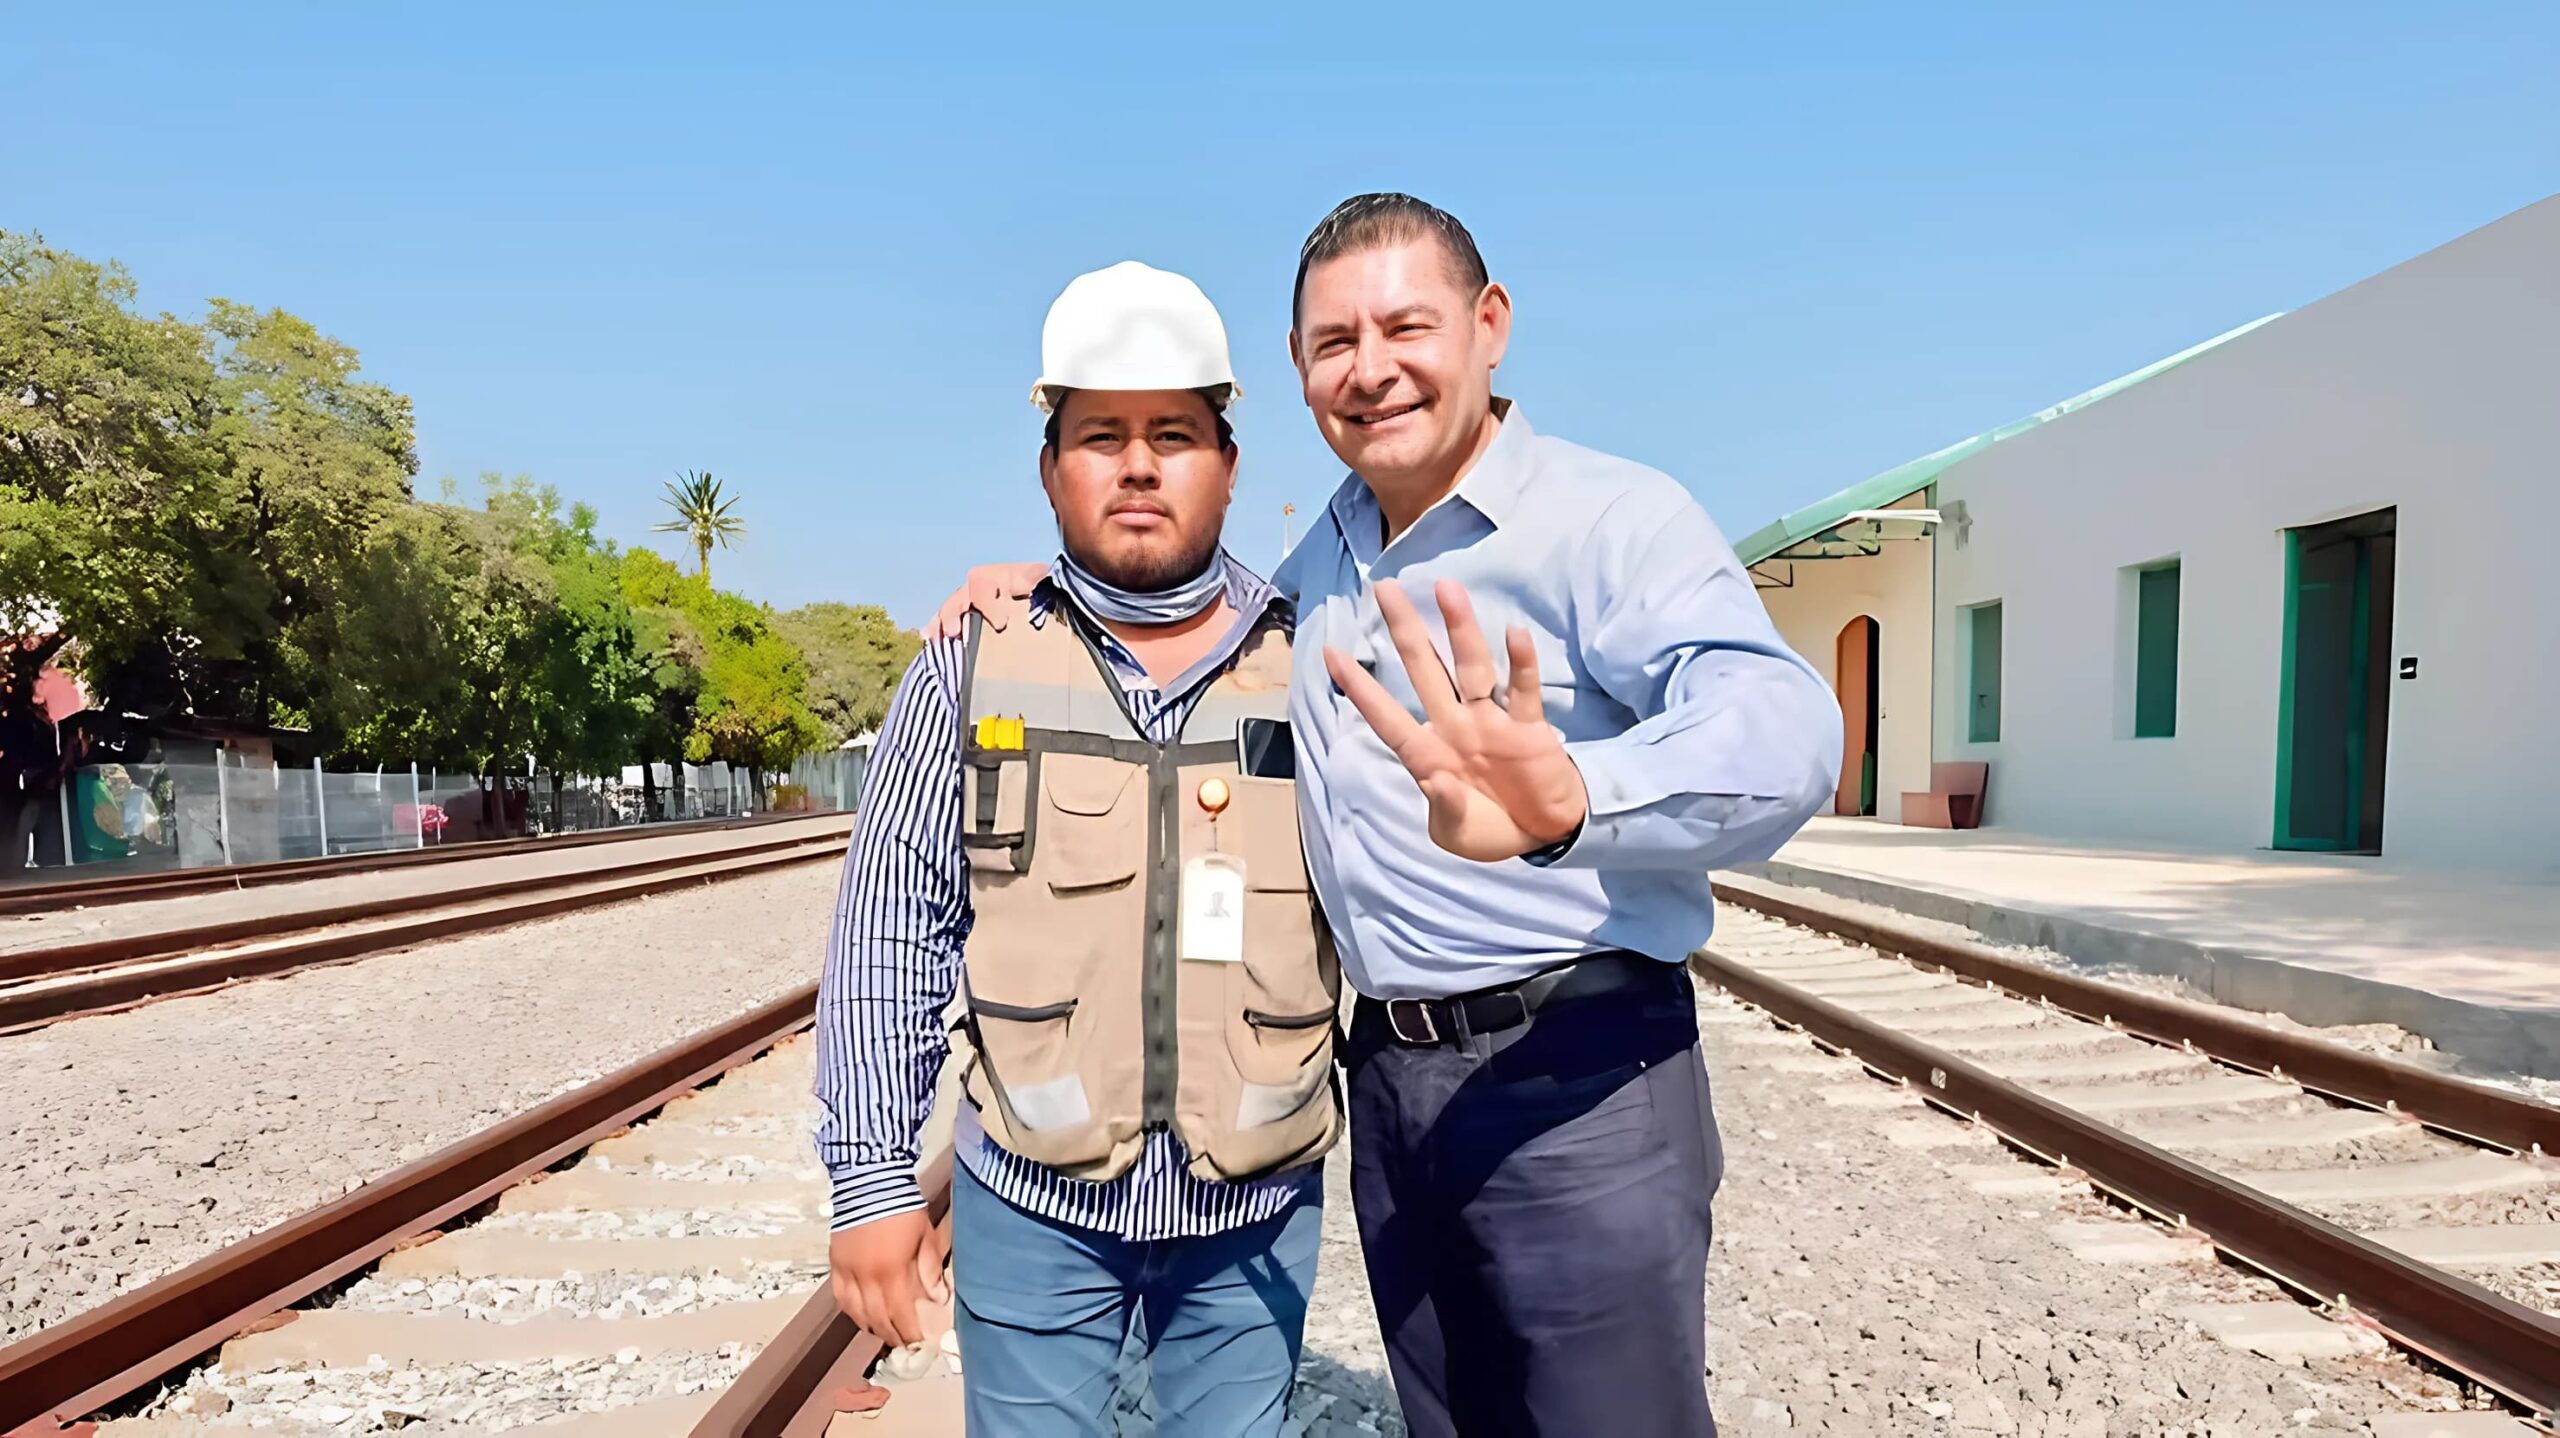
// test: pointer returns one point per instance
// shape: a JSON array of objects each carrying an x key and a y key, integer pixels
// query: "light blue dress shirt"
[{"x": 1702, "y": 739}]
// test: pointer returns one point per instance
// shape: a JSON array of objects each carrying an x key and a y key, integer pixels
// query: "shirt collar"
[{"x": 1492, "y": 487}]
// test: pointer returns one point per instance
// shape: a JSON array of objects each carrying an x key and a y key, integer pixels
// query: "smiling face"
[
  {"x": 1396, "y": 359},
  {"x": 1140, "y": 483}
]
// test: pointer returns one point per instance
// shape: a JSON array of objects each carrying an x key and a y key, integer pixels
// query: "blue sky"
[{"x": 808, "y": 248}]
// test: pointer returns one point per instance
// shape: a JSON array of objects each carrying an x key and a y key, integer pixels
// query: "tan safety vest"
[{"x": 1085, "y": 1026}]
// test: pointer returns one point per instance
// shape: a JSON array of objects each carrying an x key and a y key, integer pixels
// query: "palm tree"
[{"x": 702, "y": 515}]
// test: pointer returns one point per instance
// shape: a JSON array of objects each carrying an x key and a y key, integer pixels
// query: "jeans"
[{"x": 1045, "y": 1307}]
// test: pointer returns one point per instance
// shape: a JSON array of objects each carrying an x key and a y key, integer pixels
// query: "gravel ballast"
[
  {"x": 1858, "y": 1286},
  {"x": 140, "y": 1141}
]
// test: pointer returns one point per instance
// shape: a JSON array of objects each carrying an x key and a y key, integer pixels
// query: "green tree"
[
  {"x": 119, "y": 533},
  {"x": 319, "y": 458},
  {"x": 856, "y": 656},
  {"x": 175, "y": 496},
  {"x": 702, "y": 516},
  {"x": 751, "y": 708},
  {"x": 559, "y": 646},
  {"x": 475, "y": 638},
  {"x": 117, "y": 524},
  {"x": 378, "y": 667}
]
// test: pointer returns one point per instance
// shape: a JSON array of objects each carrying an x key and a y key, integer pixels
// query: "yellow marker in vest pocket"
[
  {"x": 997, "y": 732},
  {"x": 1213, "y": 909}
]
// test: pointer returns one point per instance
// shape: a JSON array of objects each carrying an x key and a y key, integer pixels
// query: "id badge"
[{"x": 1213, "y": 909}]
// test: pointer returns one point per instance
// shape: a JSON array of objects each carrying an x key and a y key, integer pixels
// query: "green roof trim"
[{"x": 1912, "y": 476}]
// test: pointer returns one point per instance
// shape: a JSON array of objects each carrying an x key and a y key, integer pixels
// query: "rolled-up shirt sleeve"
[
  {"x": 1738, "y": 739},
  {"x": 894, "y": 950}
]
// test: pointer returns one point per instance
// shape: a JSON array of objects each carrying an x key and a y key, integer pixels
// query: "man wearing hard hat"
[
  {"x": 1083, "y": 822},
  {"x": 1513, "y": 843}
]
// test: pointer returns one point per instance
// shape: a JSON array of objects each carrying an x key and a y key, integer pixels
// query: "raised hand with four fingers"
[{"x": 1495, "y": 772}]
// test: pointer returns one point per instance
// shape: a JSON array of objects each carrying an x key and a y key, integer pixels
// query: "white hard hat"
[{"x": 1133, "y": 327}]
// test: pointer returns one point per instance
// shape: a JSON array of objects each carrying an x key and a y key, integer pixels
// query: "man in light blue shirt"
[
  {"x": 1514, "y": 857},
  {"x": 1514, "y": 864}
]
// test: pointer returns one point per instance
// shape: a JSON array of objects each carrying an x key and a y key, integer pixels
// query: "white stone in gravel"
[
  {"x": 2451, "y": 1425},
  {"x": 2124, "y": 1241},
  {"x": 2009, "y": 1180},
  {"x": 2279, "y": 1329},
  {"x": 1936, "y": 1131},
  {"x": 1867, "y": 1095}
]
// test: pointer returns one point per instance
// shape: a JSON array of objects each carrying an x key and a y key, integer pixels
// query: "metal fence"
[
  {"x": 226, "y": 807},
  {"x": 199, "y": 804},
  {"x": 832, "y": 780}
]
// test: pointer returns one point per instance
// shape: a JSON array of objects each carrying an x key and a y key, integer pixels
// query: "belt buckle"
[{"x": 1397, "y": 1012}]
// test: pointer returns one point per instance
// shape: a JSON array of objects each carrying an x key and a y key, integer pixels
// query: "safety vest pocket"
[
  {"x": 1027, "y": 1063},
  {"x": 1093, "y": 833}
]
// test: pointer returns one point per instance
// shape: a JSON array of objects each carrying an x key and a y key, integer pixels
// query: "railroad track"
[
  {"x": 669, "y": 1281},
  {"x": 2404, "y": 1202},
  {"x": 35, "y": 898},
  {"x": 46, "y": 985}
]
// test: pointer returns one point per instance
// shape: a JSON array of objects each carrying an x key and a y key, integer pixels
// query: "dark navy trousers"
[{"x": 1533, "y": 1208}]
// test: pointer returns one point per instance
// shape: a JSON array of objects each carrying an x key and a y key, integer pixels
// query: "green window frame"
[
  {"x": 1982, "y": 660},
  {"x": 2155, "y": 652}
]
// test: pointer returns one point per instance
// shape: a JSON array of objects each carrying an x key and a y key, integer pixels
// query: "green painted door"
[{"x": 2325, "y": 724}]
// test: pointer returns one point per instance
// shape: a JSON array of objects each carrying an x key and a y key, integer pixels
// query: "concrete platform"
[{"x": 2473, "y": 964}]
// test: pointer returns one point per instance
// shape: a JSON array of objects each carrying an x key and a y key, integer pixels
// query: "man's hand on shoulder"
[
  {"x": 881, "y": 1269},
  {"x": 996, "y": 591}
]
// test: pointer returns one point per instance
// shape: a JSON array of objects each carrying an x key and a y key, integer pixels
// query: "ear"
[
  {"x": 1297, "y": 361},
  {"x": 1493, "y": 323},
  {"x": 1049, "y": 474}
]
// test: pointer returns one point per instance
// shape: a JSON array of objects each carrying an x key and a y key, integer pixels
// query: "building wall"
[
  {"x": 1893, "y": 589},
  {"x": 2433, "y": 387}
]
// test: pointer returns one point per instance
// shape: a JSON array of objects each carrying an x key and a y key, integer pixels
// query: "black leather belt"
[{"x": 1435, "y": 1021}]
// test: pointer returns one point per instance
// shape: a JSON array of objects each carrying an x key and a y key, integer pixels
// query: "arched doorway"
[{"x": 1855, "y": 681}]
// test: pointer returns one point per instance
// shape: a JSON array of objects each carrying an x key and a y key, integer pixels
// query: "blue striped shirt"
[{"x": 894, "y": 956}]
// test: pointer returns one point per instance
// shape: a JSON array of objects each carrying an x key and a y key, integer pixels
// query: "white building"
[{"x": 2282, "y": 590}]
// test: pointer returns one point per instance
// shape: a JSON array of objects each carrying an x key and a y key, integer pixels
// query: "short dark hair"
[
  {"x": 1217, "y": 416},
  {"x": 1368, "y": 222}
]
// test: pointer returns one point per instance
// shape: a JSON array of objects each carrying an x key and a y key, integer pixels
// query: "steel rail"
[
  {"x": 31, "y": 898},
  {"x": 54, "y": 959},
  {"x": 113, "y": 989},
  {"x": 2457, "y": 1106},
  {"x": 97, "y": 1357},
  {"x": 2499, "y": 1343}
]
